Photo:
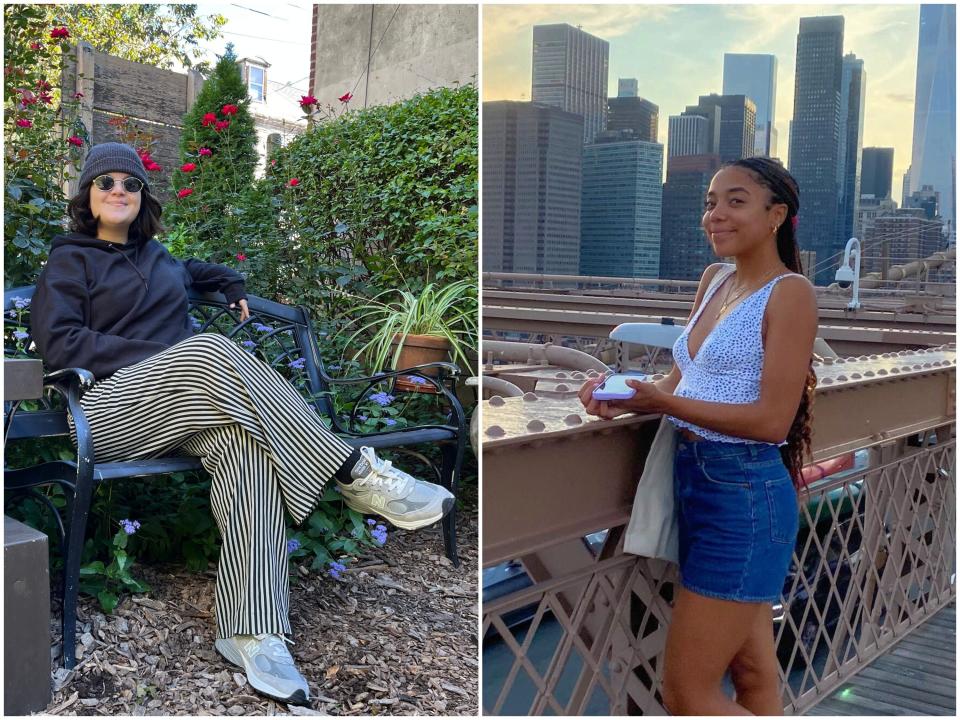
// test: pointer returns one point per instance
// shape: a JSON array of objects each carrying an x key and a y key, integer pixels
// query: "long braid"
[{"x": 784, "y": 189}]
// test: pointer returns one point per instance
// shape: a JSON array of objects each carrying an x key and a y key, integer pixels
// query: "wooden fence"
[{"x": 154, "y": 100}]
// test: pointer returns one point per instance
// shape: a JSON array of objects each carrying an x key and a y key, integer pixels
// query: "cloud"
[{"x": 899, "y": 98}]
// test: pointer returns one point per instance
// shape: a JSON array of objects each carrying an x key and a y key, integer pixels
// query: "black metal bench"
[{"x": 279, "y": 334}]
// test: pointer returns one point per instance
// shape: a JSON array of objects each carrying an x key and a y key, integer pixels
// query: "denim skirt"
[{"x": 738, "y": 519}]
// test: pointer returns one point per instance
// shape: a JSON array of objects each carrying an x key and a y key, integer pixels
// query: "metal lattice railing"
[{"x": 875, "y": 557}]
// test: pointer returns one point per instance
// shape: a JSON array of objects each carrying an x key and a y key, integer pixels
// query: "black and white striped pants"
[{"x": 264, "y": 446}]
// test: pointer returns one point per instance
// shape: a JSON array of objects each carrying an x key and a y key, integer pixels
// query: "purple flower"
[
  {"x": 382, "y": 399},
  {"x": 292, "y": 545},
  {"x": 260, "y": 327},
  {"x": 130, "y": 526},
  {"x": 362, "y": 418},
  {"x": 20, "y": 303},
  {"x": 249, "y": 344},
  {"x": 196, "y": 323},
  {"x": 333, "y": 367},
  {"x": 20, "y": 334},
  {"x": 335, "y": 569},
  {"x": 11, "y": 313},
  {"x": 390, "y": 422},
  {"x": 297, "y": 364},
  {"x": 417, "y": 380},
  {"x": 371, "y": 521},
  {"x": 379, "y": 534}
]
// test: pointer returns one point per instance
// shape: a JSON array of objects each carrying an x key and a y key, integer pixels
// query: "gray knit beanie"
[{"x": 112, "y": 157}]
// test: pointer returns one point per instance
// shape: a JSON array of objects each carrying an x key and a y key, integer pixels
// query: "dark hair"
[
  {"x": 144, "y": 227},
  {"x": 784, "y": 189}
]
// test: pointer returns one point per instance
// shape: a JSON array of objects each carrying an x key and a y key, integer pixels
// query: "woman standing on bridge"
[
  {"x": 112, "y": 300},
  {"x": 740, "y": 395}
]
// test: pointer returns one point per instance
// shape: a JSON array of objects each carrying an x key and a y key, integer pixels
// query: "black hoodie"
[{"x": 103, "y": 306}]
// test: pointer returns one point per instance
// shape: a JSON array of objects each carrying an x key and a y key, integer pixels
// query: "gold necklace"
[{"x": 728, "y": 299}]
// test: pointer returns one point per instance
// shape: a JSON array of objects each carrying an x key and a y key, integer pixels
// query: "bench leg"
[
  {"x": 449, "y": 477},
  {"x": 78, "y": 510}
]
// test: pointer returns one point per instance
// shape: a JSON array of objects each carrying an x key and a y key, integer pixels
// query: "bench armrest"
[
  {"x": 67, "y": 376},
  {"x": 70, "y": 384}
]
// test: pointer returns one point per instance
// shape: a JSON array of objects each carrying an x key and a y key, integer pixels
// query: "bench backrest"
[{"x": 281, "y": 335}]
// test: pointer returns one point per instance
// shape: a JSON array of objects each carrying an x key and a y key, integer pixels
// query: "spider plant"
[{"x": 448, "y": 311}]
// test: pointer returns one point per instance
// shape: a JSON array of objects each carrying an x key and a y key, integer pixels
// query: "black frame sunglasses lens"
[{"x": 130, "y": 184}]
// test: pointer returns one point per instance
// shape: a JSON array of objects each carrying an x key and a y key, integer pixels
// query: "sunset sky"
[{"x": 676, "y": 54}]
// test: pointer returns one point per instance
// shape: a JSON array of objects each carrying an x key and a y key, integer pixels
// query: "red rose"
[
  {"x": 35, "y": 46},
  {"x": 221, "y": 125},
  {"x": 77, "y": 96},
  {"x": 205, "y": 151},
  {"x": 241, "y": 257},
  {"x": 293, "y": 182},
  {"x": 208, "y": 119},
  {"x": 74, "y": 140},
  {"x": 43, "y": 85},
  {"x": 185, "y": 193},
  {"x": 60, "y": 32},
  {"x": 46, "y": 97},
  {"x": 346, "y": 97},
  {"x": 307, "y": 101},
  {"x": 24, "y": 123},
  {"x": 188, "y": 167},
  {"x": 27, "y": 98},
  {"x": 229, "y": 109}
]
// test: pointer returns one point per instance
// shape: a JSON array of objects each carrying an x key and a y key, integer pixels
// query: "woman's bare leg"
[
  {"x": 704, "y": 637},
  {"x": 756, "y": 670}
]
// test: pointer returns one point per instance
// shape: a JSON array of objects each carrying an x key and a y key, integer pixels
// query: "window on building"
[
  {"x": 256, "y": 82},
  {"x": 274, "y": 141}
]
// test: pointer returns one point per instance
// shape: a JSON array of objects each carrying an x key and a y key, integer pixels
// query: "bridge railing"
[{"x": 874, "y": 558}]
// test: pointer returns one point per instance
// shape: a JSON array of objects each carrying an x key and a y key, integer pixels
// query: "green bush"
[{"x": 383, "y": 198}]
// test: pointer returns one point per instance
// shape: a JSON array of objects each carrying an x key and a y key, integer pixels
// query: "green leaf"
[{"x": 108, "y": 600}]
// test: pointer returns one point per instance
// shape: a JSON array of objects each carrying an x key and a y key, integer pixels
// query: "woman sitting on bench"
[{"x": 111, "y": 299}]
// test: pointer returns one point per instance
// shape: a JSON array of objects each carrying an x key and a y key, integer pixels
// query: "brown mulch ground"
[{"x": 396, "y": 635}]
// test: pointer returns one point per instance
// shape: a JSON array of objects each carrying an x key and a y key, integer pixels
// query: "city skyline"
[{"x": 693, "y": 39}]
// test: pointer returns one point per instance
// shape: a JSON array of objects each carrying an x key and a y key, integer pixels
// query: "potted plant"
[{"x": 408, "y": 329}]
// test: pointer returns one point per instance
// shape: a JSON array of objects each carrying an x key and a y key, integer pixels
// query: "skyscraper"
[
  {"x": 627, "y": 87},
  {"x": 531, "y": 188},
  {"x": 570, "y": 73},
  {"x": 815, "y": 138},
  {"x": 684, "y": 250},
  {"x": 689, "y": 135},
  {"x": 620, "y": 219},
  {"x": 876, "y": 172},
  {"x": 853, "y": 91},
  {"x": 636, "y": 114},
  {"x": 756, "y": 77},
  {"x": 737, "y": 124},
  {"x": 935, "y": 110}
]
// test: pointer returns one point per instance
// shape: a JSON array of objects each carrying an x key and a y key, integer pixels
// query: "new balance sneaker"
[
  {"x": 268, "y": 665},
  {"x": 381, "y": 489}
]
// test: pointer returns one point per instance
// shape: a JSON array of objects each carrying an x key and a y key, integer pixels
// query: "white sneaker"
[
  {"x": 268, "y": 665},
  {"x": 381, "y": 489}
]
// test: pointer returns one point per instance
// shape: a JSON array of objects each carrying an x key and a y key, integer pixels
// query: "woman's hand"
[
  {"x": 244, "y": 310},
  {"x": 648, "y": 399}
]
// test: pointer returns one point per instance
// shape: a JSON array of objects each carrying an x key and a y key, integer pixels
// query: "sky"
[
  {"x": 278, "y": 32},
  {"x": 676, "y": 54}
]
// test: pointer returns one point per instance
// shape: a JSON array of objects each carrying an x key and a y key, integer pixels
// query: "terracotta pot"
[{"x": 417, "y": 350}]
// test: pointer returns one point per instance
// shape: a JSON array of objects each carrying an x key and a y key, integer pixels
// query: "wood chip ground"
[{"x": 397, "y": 635}]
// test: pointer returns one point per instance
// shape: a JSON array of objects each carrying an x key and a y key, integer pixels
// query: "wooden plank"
[
  {"x": 896, "y": 676},
  {"x": 897, "y": 651},
  {"x": 871, "y": 687},
  {"x": 938, "y": 651},
  {"x": 130, "y": 88},
  {"x": 875, "y": 699}
]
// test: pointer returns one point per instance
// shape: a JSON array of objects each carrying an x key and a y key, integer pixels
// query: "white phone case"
[{"x": 615, "y": 388}]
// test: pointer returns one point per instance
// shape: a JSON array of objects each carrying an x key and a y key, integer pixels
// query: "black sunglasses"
[{"x": 130, "y": 184}]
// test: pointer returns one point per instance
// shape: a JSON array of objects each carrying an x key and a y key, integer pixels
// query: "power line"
[
  {"x": 258, "y": 37},
  {"x": 260, "y": 12}
]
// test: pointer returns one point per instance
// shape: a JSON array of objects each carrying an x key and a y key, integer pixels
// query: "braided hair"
[{"x": 784, "y": 189}]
